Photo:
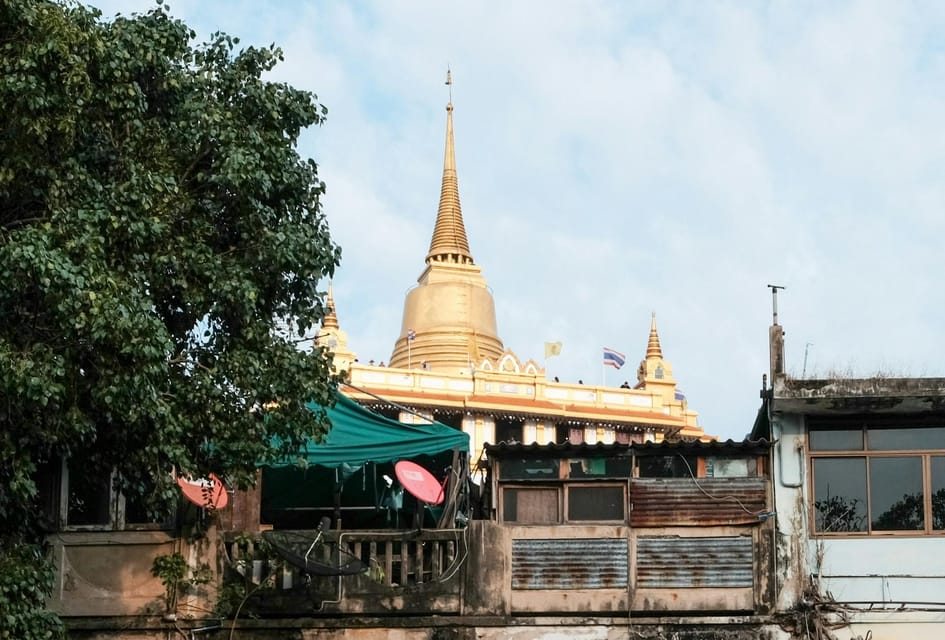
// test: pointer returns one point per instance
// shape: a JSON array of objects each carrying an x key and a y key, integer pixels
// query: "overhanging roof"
[{"x": 358, "y": 436}]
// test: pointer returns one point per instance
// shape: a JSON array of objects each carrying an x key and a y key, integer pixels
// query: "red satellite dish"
[
  {"x": 419, "y": 482},
  {"x": 203, "y": 492}
]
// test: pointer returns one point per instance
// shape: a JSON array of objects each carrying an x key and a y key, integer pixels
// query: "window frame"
[
  {"x": 562, "y": 489},
  {"x": 863, "y": 425},
  {"x": 117, "y": 511}
]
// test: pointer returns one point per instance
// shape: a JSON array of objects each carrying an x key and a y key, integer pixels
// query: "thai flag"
[
  {"x": 411, "y": 334},
  {"x": 613, "y": 358}
]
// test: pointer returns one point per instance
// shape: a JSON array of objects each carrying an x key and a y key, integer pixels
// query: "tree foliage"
[{"x": 156, "y": 224}]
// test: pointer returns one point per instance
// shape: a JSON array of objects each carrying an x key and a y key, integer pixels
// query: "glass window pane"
[
  {"x": 906, "y": 439},
  {"x": 938, "y": 492},
  {"x": 89, "y": 497},
  {"x": 595, "y": 503},
  {"x": 532, "y": 469},
  {"x": 599, "y": 467},
  {"x": 667, "y": 466},
  {"x": 718, "y": 467},
  {"x": 836, "y": 439},
  {"x": 896, "y": 499},
  {"x": 840, "y": 494}
]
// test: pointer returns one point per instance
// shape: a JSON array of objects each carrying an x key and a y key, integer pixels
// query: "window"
[
  {"x": 599, "y": 468},
  {"x": 532, "y": 505},
  {"x": 76, "y": 498},
  {"x": 878, "y": 476},
  {"x": 675, "y": 466},
  {"x": 529, "y": 469},
  {"x": 585, "y": 502},
  {"x": 88, "y": 498},
  {"x": 727, "y": 467},
  {"x": 508, "y": 430},
  {"x": 594, "y": 502},
  {"x": 554, "y": 490}
]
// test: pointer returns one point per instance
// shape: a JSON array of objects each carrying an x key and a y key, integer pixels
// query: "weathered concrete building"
[
  {"x": 858, "y": 479},
  {"x": 595, "y": 541}
]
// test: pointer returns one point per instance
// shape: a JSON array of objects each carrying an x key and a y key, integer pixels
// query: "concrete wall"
[{"x": 108, "y": 573}]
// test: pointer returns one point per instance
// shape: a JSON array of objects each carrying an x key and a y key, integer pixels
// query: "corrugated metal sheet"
[
  {"x": 574, "y": 449},
  {"x": 667, "y": 562},
  {"x": 661, "y": 502},
  {"x": 577, "y": 563}
]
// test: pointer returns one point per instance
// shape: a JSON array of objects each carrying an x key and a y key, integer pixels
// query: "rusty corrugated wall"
[
  {"x": 666, "y": 562},
  {"x": 661, "y": 502},
  {"x": 577, "y": 563}
]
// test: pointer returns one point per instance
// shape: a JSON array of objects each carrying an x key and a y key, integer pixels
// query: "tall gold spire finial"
[
  {"x": 449, "y": 83},
  {"x": 653, "y": 349},
  {"x": 449, "y": 243}
]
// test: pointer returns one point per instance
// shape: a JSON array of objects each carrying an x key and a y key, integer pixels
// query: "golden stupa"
[{"x": 449, "y": 364}]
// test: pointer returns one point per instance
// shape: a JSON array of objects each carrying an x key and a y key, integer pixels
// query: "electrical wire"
[{"x": 757, "y": 514}]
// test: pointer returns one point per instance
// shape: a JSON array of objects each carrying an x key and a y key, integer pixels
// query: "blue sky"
[{"x": 620, "y": 158}]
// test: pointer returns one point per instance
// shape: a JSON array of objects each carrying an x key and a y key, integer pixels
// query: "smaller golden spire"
[
  {"x": 653, "y": 349},
  {"x": 331, "y": 320}
]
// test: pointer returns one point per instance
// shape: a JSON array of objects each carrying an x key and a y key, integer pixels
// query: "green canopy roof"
[{"x": 358, "y": 436}]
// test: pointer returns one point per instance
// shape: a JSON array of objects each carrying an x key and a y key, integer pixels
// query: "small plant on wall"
[{"x": 177, "y": 577}]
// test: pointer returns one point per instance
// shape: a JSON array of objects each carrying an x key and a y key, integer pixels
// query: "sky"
[{"x": 617, "y": 159}]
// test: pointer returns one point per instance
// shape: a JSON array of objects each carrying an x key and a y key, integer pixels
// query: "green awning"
[{"x": 358, "y": 436}]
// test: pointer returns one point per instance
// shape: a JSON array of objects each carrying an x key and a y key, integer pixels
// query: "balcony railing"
[{"x": 390, "y": 558}]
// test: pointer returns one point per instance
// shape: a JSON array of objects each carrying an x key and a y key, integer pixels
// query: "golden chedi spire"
[
  {"x": 653, "y": 349},
  {"x": 449, "y": 243},
  {"x": 449, "y": 317},
  {"x": 331, "y": 336},
  {"x": 331, "y": 319},
  {"x": 655, "y": 372}
]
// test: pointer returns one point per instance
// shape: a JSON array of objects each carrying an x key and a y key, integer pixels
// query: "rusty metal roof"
[{"x": 567, "y": 449}]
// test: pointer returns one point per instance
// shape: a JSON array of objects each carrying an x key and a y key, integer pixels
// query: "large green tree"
[{"x": 157, "y": 226}]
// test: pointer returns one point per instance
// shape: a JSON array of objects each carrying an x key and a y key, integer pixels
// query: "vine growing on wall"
[{"x": 177, "y": 577}]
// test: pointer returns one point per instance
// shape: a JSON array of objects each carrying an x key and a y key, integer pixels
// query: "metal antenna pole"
[{"x": 774, "y": 300}]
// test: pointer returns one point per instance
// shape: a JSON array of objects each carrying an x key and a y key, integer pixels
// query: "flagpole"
[{"x": 408, "y": 350}]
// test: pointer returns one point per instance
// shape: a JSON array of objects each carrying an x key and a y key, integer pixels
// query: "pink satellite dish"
[
  {"x": 203, "y": 492},
  {"x": 419, "y": 482}
]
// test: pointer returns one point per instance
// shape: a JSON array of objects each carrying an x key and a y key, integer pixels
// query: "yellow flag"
[{"x": 552, "y": 349}]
